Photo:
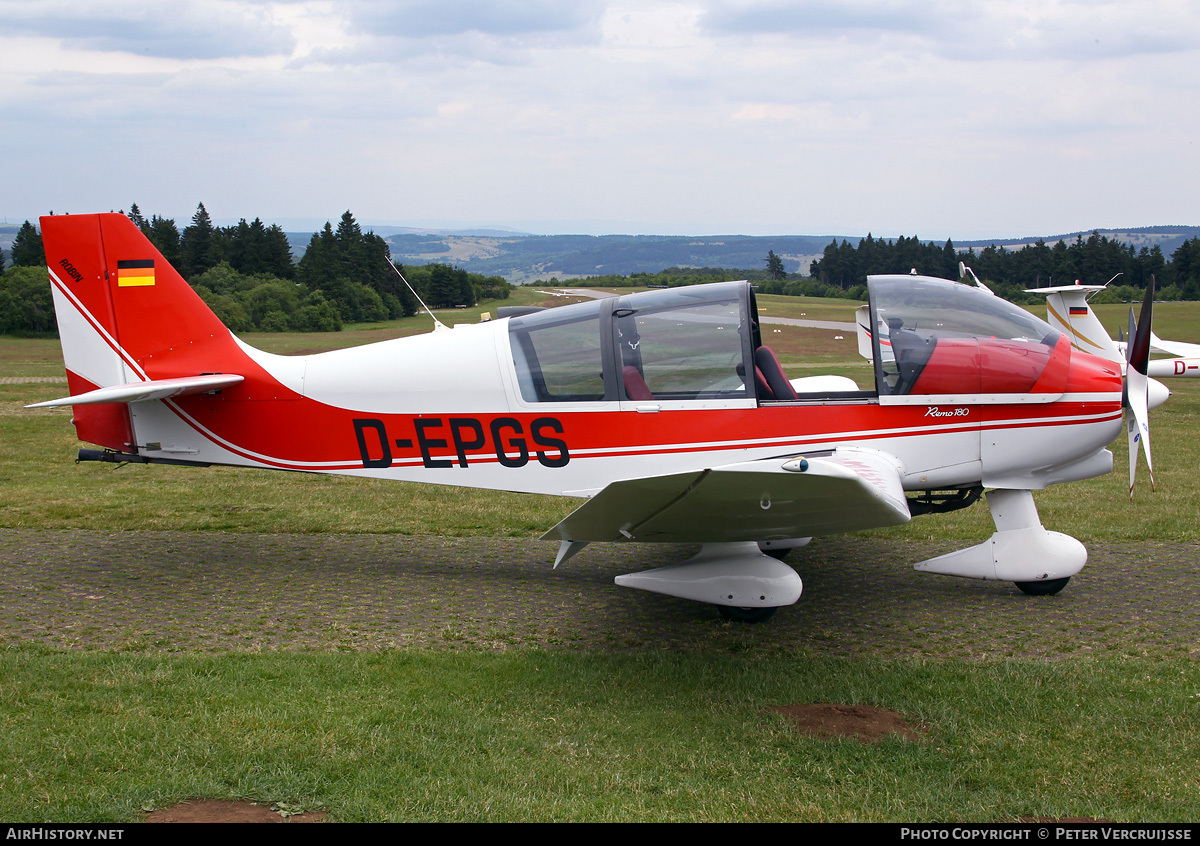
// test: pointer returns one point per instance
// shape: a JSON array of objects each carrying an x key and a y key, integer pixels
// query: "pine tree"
[
  {"x": 349, "y": 233},
  {"x": 949, "y": 261},
  {"x": 165, "y": 236},
  {"x": 254, "y": 248},
  {"x": 279, "y": 253},
  {"x": 197, "y": 247},
  {"x": 319, "y": 265},
  {"x": 775, "y": 266},
  {"x": 27, "y": 248},
  {"x": 443, "y": 286}
]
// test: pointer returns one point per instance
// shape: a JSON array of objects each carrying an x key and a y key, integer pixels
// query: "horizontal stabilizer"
[
  {"x": 155, "y": 389},
  {"x": 790, "y": 497}
]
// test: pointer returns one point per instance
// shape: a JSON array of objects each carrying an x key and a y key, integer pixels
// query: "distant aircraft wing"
[
  {"x": 1179, "y": 348},
  {"x": 791, "y": 497}
]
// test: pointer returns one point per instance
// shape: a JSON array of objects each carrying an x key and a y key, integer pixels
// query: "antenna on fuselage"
[{"x": 437, "y": 324}]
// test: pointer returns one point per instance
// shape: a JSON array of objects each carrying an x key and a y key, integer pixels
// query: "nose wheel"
[
  {"x": 1047, "y": 588},
  {"x": 1021, "y": 550},
  {"x": 745, "y": 615}
]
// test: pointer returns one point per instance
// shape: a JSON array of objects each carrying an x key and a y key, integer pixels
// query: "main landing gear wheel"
[
  {"x": 1046, "y": 588},
  {"x": 745, "y": 615}
]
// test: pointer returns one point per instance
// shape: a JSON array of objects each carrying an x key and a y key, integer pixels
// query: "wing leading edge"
[{"x": 791, "y": 497}]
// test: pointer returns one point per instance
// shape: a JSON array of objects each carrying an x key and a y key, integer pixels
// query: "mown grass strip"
[{"x": 540, "y": 736}]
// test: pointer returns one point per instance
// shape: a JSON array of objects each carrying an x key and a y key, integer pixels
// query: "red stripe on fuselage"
[
  {"x": 96, "y": 324},
  {"x": 309, "y": 435}
]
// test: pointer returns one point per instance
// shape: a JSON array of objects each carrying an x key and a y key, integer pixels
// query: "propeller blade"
[
  {"x": 1137, "y": 428},
  {"x": 1139, "y": 354},
  {"x": 1137, "y": 417}
]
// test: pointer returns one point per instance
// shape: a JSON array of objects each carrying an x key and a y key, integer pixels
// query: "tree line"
[
  {"x": 842, "y": 270},
  {"x": 1093, "y": 261},
  {"x": 247, "y": 276},
  {"x": 770, "y": 280}
]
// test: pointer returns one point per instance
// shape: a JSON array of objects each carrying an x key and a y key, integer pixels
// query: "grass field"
[
  {"x": 478, "y": 729},
  {"x": 545, "y": 736}
]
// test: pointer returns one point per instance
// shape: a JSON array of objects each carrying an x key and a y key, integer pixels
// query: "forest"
[
  {"x": 247, "y": 276},
  {"x": 1096, "y": 260},
  {"x": 843, "y": 269}
]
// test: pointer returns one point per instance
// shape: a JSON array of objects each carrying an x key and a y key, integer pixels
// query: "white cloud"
[
  {"x": 184, "y": 29},
  {"x": 1083, "y": 30},
  {"x": 504, "y": 18},
  {"x": 717, "y": 115},
  {"x": 823, "y": 18}
]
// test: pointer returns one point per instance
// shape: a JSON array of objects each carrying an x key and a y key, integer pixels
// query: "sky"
[{"x": 938, "y": 119}]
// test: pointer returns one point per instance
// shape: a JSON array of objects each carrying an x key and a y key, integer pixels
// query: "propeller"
[{"x": 1137, "y": 416}]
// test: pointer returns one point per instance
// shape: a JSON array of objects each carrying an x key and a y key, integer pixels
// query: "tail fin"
[
  {"x": 125, "y": 316},
  {"x": 1068, "y": 311}
]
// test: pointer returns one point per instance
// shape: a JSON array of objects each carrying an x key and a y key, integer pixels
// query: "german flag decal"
[
  {"x": 135, "y": 272},
  {"x": 1076, "y": 311}
]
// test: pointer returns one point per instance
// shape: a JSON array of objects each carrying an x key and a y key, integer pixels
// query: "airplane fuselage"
[{"x": 352, "y": 412}]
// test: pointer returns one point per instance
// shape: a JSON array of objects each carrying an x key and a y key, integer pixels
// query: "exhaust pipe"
[{"x": 114, "y": 457}]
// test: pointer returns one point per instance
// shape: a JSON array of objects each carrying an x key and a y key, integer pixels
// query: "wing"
[
  {"x": 1178, "y": 348},
  {"x": 770, "y": 499}
]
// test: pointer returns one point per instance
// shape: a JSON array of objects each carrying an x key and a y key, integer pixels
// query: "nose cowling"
[{"x": 1089, "y": 374}]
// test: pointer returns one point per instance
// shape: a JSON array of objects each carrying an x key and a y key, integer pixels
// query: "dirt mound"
[{"x": 862, "y": 722}]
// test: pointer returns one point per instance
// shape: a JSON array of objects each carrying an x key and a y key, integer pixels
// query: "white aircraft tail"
[{"x": 1068, "y": 311}]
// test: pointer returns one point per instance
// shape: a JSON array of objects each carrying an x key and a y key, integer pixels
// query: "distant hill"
[
  {"x": 523, "y": 258},
  {"x": 7, "y": 233},
  {"x": 529, "y": 258},
  {"x": 1168, "y": 238}
]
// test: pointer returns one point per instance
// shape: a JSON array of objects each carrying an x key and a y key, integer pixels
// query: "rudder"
[{"x": 125, "y": 315}]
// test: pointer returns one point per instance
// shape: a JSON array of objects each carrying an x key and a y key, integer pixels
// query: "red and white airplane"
[{"x": 662, "y": 410}]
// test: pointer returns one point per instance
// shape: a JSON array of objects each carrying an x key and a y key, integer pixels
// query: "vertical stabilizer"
[
  {"x": 1067, "y": 310},
  {"x": 125, "y": 315}
]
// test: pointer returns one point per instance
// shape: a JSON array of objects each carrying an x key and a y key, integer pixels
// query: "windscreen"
[
  {"x": 558, "y": 354},
  {"x": 934, "y": 336}
]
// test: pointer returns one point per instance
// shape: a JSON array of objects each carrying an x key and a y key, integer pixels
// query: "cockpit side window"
[
  {"x": 672, "y": 347},
  {"x": 558, "y": 354}
]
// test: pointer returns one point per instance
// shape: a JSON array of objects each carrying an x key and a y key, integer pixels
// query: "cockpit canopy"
[
  {"x": 936, "y": 337},
  {"x": 685, "y": 343},
  {"x": 931, "y": 337}
]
